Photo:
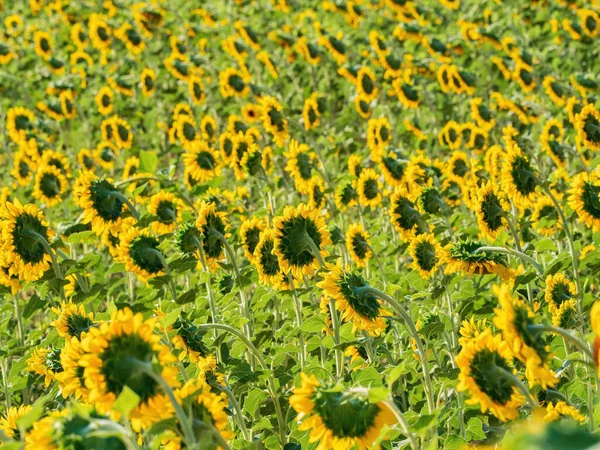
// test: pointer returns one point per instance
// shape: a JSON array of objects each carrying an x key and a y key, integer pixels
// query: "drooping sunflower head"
[
  {"x": 49, "y": 185},
  {"x": 366, "y": 83},
  {"x": 213, "y": 225},
  {"x": 406, "y": 218},
  {"x": 72, "y": 320},
  {"x": 427, "y": 254},
  {"x": 362, "y": 309},
  {"x": 519, "y": 177},
  {"x": 148, "y": 82},
  {"x": 369, "y": 188},
  {"x": 301, "y": 163},
  {"x": 479, "y": 360},
  {"x": 234, "y": 83},
  {"x": 515, "y": 320},
  {"x": 26, "y": 234},
  {"x": 345, "y": 196},
  {"x": 188, "y": 337},
  {"x": 250, "y": 235},
  {"x": 167, "y": 208},
  {"x": 587, "y": 125},
  {"x": 584, "y": 198},
  {"x": 294, "y": 231},
  {"x": 118, "y": 353},
  {"x": 393, "y": 169},
  {"x": 188, "y": 239},
  {"x": 339, "y": 418},
  {"x": 559, "y": 289},
  {"x": 357, "y": 244},
  {"x": 464, "y": 257},
  {"x": 45, "y": 362},
  {"x": 97, "y": 196},
  {"x": 138, "y": 251},
  {"x": 267, "y": 262},
  {"x": 491, "y": 209}
]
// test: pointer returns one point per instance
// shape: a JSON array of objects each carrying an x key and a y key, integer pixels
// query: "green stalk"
[
  {"x": 126, "y": 201},
  {"x": 567, "y": 335},
  {"x": 510, "y": 251},
  {"x": 516, "y": 382}
]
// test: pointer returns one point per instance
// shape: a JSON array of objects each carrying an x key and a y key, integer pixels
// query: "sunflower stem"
[
  {"x": 298, "y": 311},
  {"x": 567, "y": 335},
  {"x": 403, "y": 423},
  {"x": 271, "y": 386},
  {"x": 132, "y": 180},
  {"x": 165, "y": 265},
  {"x": 366, "y": 290},
  {"x": 126, "y": 201},
  {"x": 339, "y": 355},
  {"x": 314, "y": 249},
  {"x": 516, "y": 382},
  {"x": 108, "y": 428},
  {"x": 208, "y": 284},
  {"x": 238, "y": 411},
  {"x": 186, "y": 425},
  {"x": 510, "y": 251},
  {"x": 57, "y": 270}
]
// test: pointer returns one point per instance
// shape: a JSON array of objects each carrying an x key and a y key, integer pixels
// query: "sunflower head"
[
  {"x": 427, "y": 254},
  {"x": 72, "y": 320},
  {"x": 138, "y": 250},
  {"x": 584, "y": 198},
  {"x": 188, "y": 337},
  {"x": 250, "y": 235},
  {"x": 406, "y": 218},
  {"x": 491, "y": 209},
  {"x": 357, "y": 244},
  {"x": 213, "y": 225},
  {"x": 464, "y": 257},
  {"x": 293, "y": 232}
]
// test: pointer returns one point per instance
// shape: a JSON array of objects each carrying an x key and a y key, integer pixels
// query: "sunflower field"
[{"x": 299, "y": 224}]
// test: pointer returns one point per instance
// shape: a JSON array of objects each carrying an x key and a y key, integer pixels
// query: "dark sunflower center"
[
  {"x": 148, "y": 83},
  {"x": 312, "y": 115},
  {"x": 367, "y": 84},
  {"x": 557, "y": 150},
  {"x": 227, "y": 146},
  {"x": 253, "y": 163},
  {"x": 371, "y": 189},
  {"x": 52, "y": 360},
  {"x": 366, "y": 305},
  {"x": 460, "y": 167},
  {"x": 293, "y": 244},
  {"x": 347, "y": 416},
  {"x": 268, "y": 261},
  {"x": 337, "y": 45},
  {"x": 549, "y": 212},
  {"x": 189, "y": 132},
  {"x": 560, "y": 293},
  {"x": 166, "y": 212},
  {"x": 523, "y": 176},
  {"x": 133, "y": 37},
  {"x": 77, "y": 324},
  {"x": 484, "y": 113},
  {"x": 103, "y": 34},
  {"x": 394, "y": 167},
  {"x": 499, "y": 389},
  {"x": 431, "y": 201},
  {"x": 44, "y": 45},
  {"x": 189, "y": 239},
  {"x": 205, "y": 160},
  {"x": 410, "y": 93},
  {"x": 384, "y": 133},
  {"x": 49, "y": 185},
  {"x": 591, "y": 200},
  {"x": 25, "y": 239},
  {"x": 348, "y": 194},
  {"x": 197, "y": 89},
  {"x": 276, "y": 118},
  {"x": 251, "y": 238},
  {"x": 118, "y": 370},
  {"x": 590, "y": 23},
  {"x": 123, "y": 132},
  {"x": 492, "y": 211},
  {"x": 526, "y": 77},
  {"x": 236, "y": 82},
  {"x": 181, "y": 67},
  {"x": 24, "y": 169},
  {"x": 143, "y": 251},
  {"x": 318, "y": 196}
]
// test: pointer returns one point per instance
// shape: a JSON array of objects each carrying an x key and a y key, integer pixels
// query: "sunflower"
[
  {"x": 378, "y": 137},
  {"x": 8, "y": 423},
  {"x": 544, "y": 217},
  {"x": 267, "y": 262},
  {"x": 188, "y": 337},
  {"x": 369, "y": 188},
  {"x": 518, "y": 177},
  {"x": 273, "y": 120},
  {"x": 99, "y": 31},
  {"x": 554, "y": 91},
  {"x": 138, "y": 251},
  {"x": 362, "y": 106},
  {"x": 167, "y": 208},
  {"x": 365, "y": 84},
  {"x": 72, "y": 320},
  {"x": 558, "y": 290},
  {"x": 148, "y": 82},
  {"x": 45, "y": 362},
  {"x": 513, "y": 318},
  {"x": 551, "y": 139},
  {"x": 43, "y": 44},
  {"x": 49, "y": 185},
  {"x": 587, "y": 124},
  {"x": 464, "y": 257},
  {"x": 178, "y": 66},
  {"x": 234, "y": 83},
  {"x": 71, "y": 379},
  {"x": 407, "y": 95},
  {"x": 339, "y": 419},
  {"x": 208, "y": 407},
  {"x": 358, "y": 245},
  {"x": 56, "y": 159},
  {"x": 20, "y": 123},
  {"x": 481, "y": 114},
  {"x": 355, "y": 165},
  {"x": 250, "y": 231},
  {"x": 364, "y": 311},
  {"x": 24, "y": 231},
  {"x": 491, "y": 210},
  {"x": 102, "y": 208},
  {"x": 482, "y": 354},
  {"x": 406, "y": 218},
  {"x": 345, "y": 196},
  {"x": 111, "y": 349},
  {"x": 123, "y": 134},
  {"x": 293, "y": 230},
  {"x": 213, "y": 225},
  {"x": 312, "y": 110},
  {"x": 301, "y": 162},
  {"x": 393, "y": 169},
  {"x": 106, "y": 154},
  {"x": 584, "y": 198},
  {"x": 427, "y": 254}
]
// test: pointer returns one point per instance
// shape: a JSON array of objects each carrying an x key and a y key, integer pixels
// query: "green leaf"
[
  {"x": 148, "y": 162},
  {"x": 396, "y": 373},
  {"x": 34, "y": 303},
  {"x": 255, "y": 398},
  {"x": 378, "y": 394},
  {"x": 475, "y": 429},
  {"x": 126, "y": 401},
  {"x": 544, "y": 245},
  {"x": 313, "y": 324},
  {"x": 83, "y": 237},
  {"x": 187, "y": 297}
]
